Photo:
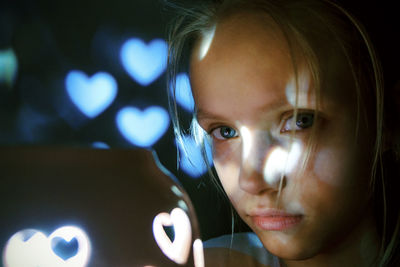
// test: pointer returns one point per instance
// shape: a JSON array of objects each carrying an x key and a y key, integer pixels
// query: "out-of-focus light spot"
[
  {"x": 183, "y": 92},
  {"x": 247, "y": 141},
  {"x": 144, "y": 62},
  {"x": 206, "y": 40},
  {"x": 31, "y": 248},
  {"x": 198, "y": 253},
  {"x": 280, "y": 162},
  {"x": 91, "y": 95},
  {"x": 142, "y": 128},
  {"x": 178, "y": 250},
  {"x": 8, "y": 67},
  {"x": 100, "y": 145},
  {"x": 176, "y": 191},
  {"x": 191, "y": 157},
  {"x": 275, "y": 165},
  {"x": 183, "y": 205}
]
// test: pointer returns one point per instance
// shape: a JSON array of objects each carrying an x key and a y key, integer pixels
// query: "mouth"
[{"x": 275, "y": 220}]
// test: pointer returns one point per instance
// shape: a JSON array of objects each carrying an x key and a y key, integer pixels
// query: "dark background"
[{"x": 50, "y": 38}]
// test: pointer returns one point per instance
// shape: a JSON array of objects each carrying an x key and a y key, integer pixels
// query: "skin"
[{"x": 243, "y": 82}]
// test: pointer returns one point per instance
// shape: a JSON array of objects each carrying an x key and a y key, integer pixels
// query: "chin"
[{"x": 288, "y": 247}]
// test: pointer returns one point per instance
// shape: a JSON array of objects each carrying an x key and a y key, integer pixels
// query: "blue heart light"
[
  {"x": 91, "y": 95},
  {"x": 144, "y": 62},
  {"x": 64, "y": 249},
  {"x": 191, "y": 158},
  {"x": 183, "y": 92},
  {"x": 143, "y": 128},
  {"x": 8, "y": 66}
]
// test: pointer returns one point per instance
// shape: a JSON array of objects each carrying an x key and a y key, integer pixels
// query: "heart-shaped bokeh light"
[
  {"x": 92, "y": 95},
  {"x": 144, "y": 62},
  {"x": 179, "y": 249},
  {"x": 32, "y": 248},
  {"x": 143, "y": 128}
]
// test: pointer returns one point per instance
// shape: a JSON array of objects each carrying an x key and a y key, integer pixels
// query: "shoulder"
[{"x": 239, "y": 248}]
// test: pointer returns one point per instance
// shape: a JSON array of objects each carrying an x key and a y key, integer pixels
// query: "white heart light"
[
  {"x": 31, "y": 248},
  {"x": 91, "y": 95},
  {"x": 179, "y": 249},
  {"x": 144, "y": 62},
  {"x": 142, "y": 128}
]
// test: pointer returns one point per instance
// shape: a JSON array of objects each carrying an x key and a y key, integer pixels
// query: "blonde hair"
[{"x": 306, "y": 25}]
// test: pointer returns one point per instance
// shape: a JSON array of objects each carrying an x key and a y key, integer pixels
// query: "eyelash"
[
  {"x": 302, "y": 116},
  {"x": 218, "y": 131}
]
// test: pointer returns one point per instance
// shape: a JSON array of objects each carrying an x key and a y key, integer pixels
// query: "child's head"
[{"x": 290, "y": 95}]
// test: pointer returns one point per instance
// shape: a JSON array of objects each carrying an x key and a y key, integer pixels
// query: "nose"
[{"x": 262, "y": 165}]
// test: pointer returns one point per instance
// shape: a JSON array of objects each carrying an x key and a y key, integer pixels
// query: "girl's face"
[{"x": 243, "y": 84}]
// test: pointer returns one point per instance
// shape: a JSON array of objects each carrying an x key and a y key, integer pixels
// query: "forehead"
[
  {"x": 248, "y": 55},
  {"x": 249, "y": 52},
  {"x": 242, "y": 37}
]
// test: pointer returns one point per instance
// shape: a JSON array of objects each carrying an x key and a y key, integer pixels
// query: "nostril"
[{"x": 254, "y": 182}]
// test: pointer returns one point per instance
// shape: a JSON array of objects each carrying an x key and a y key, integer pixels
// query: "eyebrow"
[{"x": 209, "y": 115}]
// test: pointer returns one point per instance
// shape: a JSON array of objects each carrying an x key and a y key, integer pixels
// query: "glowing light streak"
[
  {"x": 206, "y": 41},
  {"x": 247, "y": 141},
  {"x": 198, "y": 253},
  {"x": 176, "y": 191}
]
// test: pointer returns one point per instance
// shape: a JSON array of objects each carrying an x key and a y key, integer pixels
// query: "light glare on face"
[
  {"x": 279, "y": 162},
  {"x": 303, "y": 84},
  {"x": 246, "y": 141},
  {"x": 206, "y": 40}
]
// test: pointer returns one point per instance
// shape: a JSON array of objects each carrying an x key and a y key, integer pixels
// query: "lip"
[{"x": 275, "y": 220}]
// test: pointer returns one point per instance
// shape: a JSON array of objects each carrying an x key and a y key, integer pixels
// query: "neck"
[{"x": 360, "y": 248}]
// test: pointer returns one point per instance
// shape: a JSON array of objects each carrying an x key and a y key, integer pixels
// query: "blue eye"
[
  {"x": 224, "y": 132},
  {"x": 303, "y": 121}
]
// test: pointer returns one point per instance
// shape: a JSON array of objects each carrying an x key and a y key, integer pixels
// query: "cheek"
[
  {"x": 228, "y": 174},
  {"x": 227, "y": 164},
  {"x": 329, "y": 166}
]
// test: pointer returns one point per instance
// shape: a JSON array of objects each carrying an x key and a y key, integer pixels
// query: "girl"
[{"x": 290, "y": 96}]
